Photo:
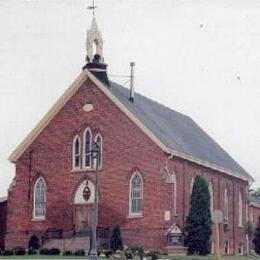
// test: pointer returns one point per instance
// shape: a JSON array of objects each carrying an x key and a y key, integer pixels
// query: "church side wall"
[
  {"x": 125, "y": 149},
  {"x": 3, "y": 212}
]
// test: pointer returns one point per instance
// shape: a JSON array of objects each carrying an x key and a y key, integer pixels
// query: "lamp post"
[{"x": 95, "y": 154}]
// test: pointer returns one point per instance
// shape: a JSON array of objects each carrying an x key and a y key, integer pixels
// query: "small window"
[
  {"x": 226, "y": 204},
  {"x": 87, "y": 149},
  {"x": 226, "y": 249},
  {"x": 136, "y": 194},
  {"x": 76, "y": 153},
  {"x": 39, "y": 199},
  {"x": 212, "y": 247},
  {"x": 99, "y": 142},
  {"x": 241, "y": 249},
  {"x": 175, "y": 240},
  {"x": 240, "y": 210},
  {"x": 211, "y": 193},
  {"x": 191, "y": 184}
]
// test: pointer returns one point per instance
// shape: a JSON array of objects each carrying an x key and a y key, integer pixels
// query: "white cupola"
[{"x": 94, "y": 43}]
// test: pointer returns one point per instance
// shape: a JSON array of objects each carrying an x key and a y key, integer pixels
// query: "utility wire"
[{"x": 119, "y": 76}]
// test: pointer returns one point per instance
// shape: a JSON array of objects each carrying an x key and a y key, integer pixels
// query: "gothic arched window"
[
  {"x": 99, "y": 142},
  {"x": 87, "y": 148},
  {"x": 191, "y": 184},
  {"x": 240, "y": 210},
  {"x": 226, "y": 204},
  {"x": 39, "y": 199},
  {"x": 211, "y": 193},
  {"x": 136, "y": 195},
  {"x": 76, "y": 151}
]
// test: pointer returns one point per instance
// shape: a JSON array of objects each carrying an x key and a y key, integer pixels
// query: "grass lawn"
[
  {"x": 44, "y": 257},
  {"x": 171, "y": 257}
]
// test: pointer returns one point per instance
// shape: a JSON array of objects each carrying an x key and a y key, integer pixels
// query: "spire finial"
[{"x": 92, "y": 7}]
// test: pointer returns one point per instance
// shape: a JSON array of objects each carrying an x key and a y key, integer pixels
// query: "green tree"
[
  {"x": 257, "y": 238},
  {"x": 116, "y": 242},
  {"x": 198, "y": 223},
  {"x": 255, "y": 193}
]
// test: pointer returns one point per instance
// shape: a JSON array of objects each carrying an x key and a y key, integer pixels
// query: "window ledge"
[
  {"x": 131, "y": 216},
  {"x": 40, "y": 219},
  {"x": 81, "y": 170},
  {"x": 84, "y": 170}
]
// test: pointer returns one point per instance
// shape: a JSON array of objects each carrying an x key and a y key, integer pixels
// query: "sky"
[{"x": 201, "y": 58}]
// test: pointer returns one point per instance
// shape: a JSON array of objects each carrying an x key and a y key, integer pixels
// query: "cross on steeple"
[{"x": 92, "y": 7}]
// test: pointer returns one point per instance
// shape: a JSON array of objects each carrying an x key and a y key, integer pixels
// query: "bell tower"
[
  {"x": 94, "y": 46},
  {"x": 94, "y": 43}
]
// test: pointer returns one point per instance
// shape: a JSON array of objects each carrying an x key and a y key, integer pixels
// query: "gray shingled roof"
[{"x": 177, "y": 131}]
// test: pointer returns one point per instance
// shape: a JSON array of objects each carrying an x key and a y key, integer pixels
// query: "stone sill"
[
  {"x": 135, "y": 216},
  {"x": 38, "y": 219},
  {"x": 84, "y": 170}
]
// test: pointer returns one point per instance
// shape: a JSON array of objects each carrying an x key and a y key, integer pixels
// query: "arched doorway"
[{"x": 82, "y": 210}]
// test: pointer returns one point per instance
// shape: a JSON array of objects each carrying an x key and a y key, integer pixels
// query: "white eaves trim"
[
  {"x": 84, "y": 75},
  {"x": 209, "y": 165},
  {"x": 48, "y": 117}
]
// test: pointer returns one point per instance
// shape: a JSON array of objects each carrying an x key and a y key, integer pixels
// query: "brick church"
[{"x": 149, "y": 157}]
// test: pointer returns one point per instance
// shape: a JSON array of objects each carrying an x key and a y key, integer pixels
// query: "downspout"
[{"x": 234, "y": 225}]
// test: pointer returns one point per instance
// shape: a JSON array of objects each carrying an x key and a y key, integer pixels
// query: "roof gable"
[{"x": 173, "y": 132}]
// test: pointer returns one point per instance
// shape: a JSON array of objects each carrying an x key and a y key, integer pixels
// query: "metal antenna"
[{"x": 92, "y": 7}]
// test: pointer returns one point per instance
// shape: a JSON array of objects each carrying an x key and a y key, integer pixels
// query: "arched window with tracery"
[
  {"x": 87, "y": 137},
  {"x": 136, "y": 194},
  {"x": 76, "y": 152},
  {"x": 99, "y": 142},
  {"x": 226, "y": 204},
  {"x": 39, "y": 207},
  {"x": 240, "y": 210}
]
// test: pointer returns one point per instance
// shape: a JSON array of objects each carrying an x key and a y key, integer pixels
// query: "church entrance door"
[{"x": 82, "y": 218}]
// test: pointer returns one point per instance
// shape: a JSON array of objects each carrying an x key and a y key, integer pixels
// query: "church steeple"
[
  {"x": 94, "y": 46},
  {"x": 94, "y": 43}
]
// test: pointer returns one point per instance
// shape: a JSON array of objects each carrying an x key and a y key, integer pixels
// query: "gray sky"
[{"x": 201, "y": 58}]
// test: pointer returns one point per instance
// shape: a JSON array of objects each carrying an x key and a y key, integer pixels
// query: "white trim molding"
[{"x": 74, "y": 167}]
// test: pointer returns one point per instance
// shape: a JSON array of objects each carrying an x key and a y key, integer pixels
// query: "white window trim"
[
  {"x": 101, "y": 151},
  {"x": 83, "y": 152},
  {"x": 241, "y": 248},
  {"x": 74, "y": 168},
  {"x": 39, "y": 218},
  {"x": 132, "y": 214},
  {"x": 240, "y": 210},
  {"x": 226, "y": 204},
  {"x": 228, "y": 247},
  {"x": 191, "y": 184}
]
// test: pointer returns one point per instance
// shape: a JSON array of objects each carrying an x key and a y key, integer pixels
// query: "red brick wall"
[
  {"x": 3, "y": 209},
  {"x": 254, "y": 214},
  {"x": 125, "y": 148}
]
